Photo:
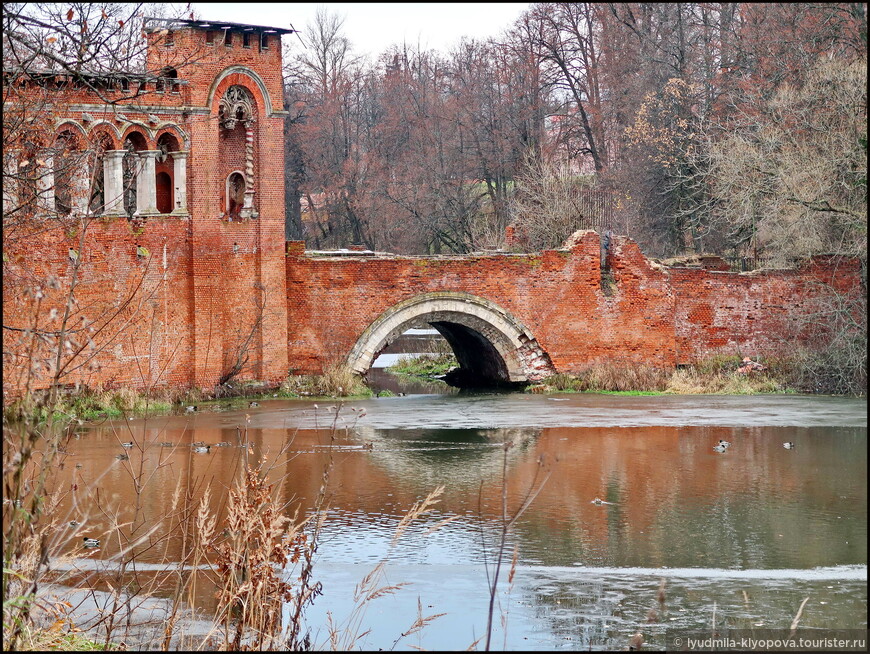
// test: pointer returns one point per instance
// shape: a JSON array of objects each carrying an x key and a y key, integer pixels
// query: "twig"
[{"x": 797, "y": 617}]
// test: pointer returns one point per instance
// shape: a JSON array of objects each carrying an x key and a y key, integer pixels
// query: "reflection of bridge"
[
  {"x": 474, "y": 456},
  {"x": 523, "y": 317}
]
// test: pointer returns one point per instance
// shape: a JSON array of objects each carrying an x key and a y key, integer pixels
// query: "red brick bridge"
[
  {"x": 524, "y": 317},
  {"x": 509, "y": 317}
]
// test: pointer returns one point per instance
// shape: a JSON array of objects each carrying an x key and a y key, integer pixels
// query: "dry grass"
[
  {"x": 337, "y": 380},
  {"x": 259, "y": 542},
  {"x": 715, "y": 375},
  {"x": 691, "y": 381},
  {"x": 616, "y": 377}
]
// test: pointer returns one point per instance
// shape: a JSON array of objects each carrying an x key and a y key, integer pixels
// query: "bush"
[{"x": 426, "y": 365}]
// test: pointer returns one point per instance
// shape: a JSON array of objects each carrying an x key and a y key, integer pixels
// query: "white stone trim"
[
  {"x": 179, "y": 161},
  {"x": 511, "y": 334},
  {"x": 113, "y": 182},
  {"x": 146, "y": 183},
  {"x": 256, "y": 79}
]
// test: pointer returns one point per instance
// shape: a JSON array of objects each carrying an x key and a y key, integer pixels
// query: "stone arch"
[
  {"x": 492, "y": 346},
  {"x": 138, "y": 135},
  {"x": 167, "y": 142},
  {"x": 103, "y": 132},
  {"x": 238, "y": 148},
  {"x": 221, "y": 83},
  {"x": 179, "y": 136},
  {"x": 69, "y": 125},
  {"x": 68, "y": 163}
]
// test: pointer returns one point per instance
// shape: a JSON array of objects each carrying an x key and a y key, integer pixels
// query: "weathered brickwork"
[
  {"x": 184, "y": 293},
  {"x": 762, "y": 311},
  {"x": 654, "y": 315},
  {"x": 210, "y": 292}
]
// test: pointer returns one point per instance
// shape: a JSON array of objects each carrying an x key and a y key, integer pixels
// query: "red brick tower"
[{"x": 230, "y": 80}]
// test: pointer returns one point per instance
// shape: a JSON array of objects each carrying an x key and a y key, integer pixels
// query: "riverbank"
[{"x": 718, "y": 375}]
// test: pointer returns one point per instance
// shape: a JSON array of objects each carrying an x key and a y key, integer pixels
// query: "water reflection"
[{"x": 755, "y": 518}]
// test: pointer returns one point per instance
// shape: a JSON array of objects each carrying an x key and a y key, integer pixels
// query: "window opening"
[
  {"x": 130, "y": 171},
  {"x": 209, "y": 37},
  {"x": 228, "y": 38},
  {"x": 235, "y": 195},
  {"x": 246, "y": 40},
  {"x": 164, "y": 192}
]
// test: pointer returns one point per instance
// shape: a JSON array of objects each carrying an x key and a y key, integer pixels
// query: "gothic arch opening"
[
  {"x": 492, "y": 347},
  {"x": 237, "y": 151},
  {"x": 102, "y": 142},
  {"x": 235, "y": 195},
  {"x": 167, "y": 144},
  {"x": 65, "y": 161}
]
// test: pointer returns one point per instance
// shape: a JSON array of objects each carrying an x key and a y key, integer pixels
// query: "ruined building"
[
  {"x": 183, "y": 185},
  {"x": 144, "y": 246}
]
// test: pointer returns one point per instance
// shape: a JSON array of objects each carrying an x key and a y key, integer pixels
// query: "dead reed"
[
  {"x": 715, "y": 375},
  {"x": 337, "y": 380}
]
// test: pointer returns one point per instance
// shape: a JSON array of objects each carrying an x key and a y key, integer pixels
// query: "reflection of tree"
[{"x": 678, "y": 504}]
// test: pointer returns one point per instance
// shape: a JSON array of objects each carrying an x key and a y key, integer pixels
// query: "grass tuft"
[{"x": 337, "y": 380}]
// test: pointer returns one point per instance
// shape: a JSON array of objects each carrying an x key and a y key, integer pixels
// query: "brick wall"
[
  {"x": 759, "y": 312},
  {"x": 197, "y": 300},
  {"x": 136, "y": 309},
  {"x": 654, "y": 315}
]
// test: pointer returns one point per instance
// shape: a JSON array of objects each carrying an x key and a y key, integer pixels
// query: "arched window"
[
  {"x": 237, "y": 149},
  {"x": 97, "y": 204},
  {"x": 165, "y": 177},
  {"x": 65, "y": 166}
]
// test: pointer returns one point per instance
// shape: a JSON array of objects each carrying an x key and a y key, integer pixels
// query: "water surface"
[{"x": 753, "y": 530}]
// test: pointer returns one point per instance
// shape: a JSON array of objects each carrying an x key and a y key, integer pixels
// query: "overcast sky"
[{"x": 373, "y": 27}]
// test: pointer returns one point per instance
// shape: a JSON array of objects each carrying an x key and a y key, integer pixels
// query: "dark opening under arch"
[{"x": 492, "y": 347}]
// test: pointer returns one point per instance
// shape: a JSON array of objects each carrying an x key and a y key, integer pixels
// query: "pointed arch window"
[{"x": 236, "y": 112}]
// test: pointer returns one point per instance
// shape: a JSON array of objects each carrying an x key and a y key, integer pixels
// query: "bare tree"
[{"x": 789, "y": 178}]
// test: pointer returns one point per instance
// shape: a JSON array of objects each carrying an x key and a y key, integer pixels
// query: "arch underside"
[{"x": 492, "y": 347}]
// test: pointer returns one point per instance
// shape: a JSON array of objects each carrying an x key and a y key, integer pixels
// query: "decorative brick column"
[
  {"x": 179, "y": 160},
  {"x": 45, "y": 184},
  {"x": 248, "y": 210},
  {"x": 146, "y": 183},
  {"x": 113, "y": 182}
]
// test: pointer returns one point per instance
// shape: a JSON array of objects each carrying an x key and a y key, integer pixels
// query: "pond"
[{"x": 633, "y": 506}]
